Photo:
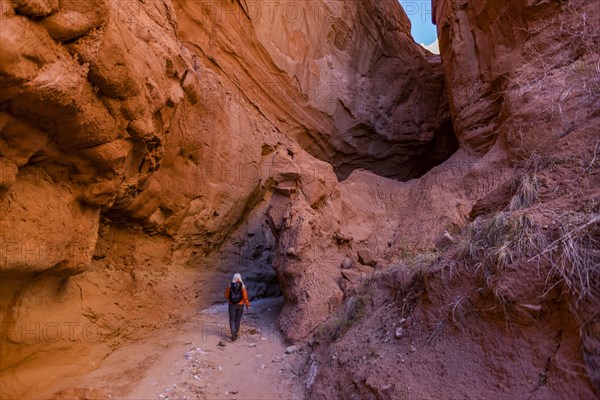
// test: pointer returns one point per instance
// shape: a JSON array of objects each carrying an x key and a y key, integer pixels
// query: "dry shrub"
[
  {"x": 575, "y": 263},
  {"x": 524, "y": 146},
  {"x": 353, "y": 310}
]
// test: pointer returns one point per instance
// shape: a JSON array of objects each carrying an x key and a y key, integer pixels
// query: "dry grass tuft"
[
  {"x": 401, "y": 285},
  {"x": 495, "y": 243},
  {"x": 526, "y": 192},
  {"x": 575, "y": 259},
  {"x": 509, "y": 239}
]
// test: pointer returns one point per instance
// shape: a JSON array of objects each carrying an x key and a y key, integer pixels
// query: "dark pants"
[{"x": 235, "y": 317}]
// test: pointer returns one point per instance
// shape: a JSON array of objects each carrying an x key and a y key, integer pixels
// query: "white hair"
[{"x": 237, "y": 277}]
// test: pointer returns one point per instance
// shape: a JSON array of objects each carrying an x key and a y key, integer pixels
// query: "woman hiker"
[{"x": 238, "y": 296}]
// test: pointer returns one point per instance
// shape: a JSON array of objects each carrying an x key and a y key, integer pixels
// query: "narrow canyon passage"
[{"x": 418, "y": 225}]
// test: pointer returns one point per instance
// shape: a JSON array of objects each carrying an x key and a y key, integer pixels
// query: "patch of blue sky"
[{"x": 423, "y": 31}]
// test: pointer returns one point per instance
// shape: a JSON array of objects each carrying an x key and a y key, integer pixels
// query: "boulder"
[{"x": 74, "y": 18}]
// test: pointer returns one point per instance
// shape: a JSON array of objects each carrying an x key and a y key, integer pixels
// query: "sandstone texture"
[
  {"x": 82, "y": 125},
  {"x": 522, "y": 85},
  {"x": 332, "y": 76},
  {"x": 523, "y": 72},
  {"x": 149, "y": 150},
  {"x": 129, "y": 124},
  {"x": 349, "y": 60}
]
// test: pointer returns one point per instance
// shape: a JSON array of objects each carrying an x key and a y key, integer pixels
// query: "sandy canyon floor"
[{"x": 197, "y": 360}]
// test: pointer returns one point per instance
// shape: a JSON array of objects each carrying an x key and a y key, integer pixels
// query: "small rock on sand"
[
  {"x": 366, "y": 257},
  {"x": 352, "y": 275},
  {"x": 291, "y": 349},
  {"x": 444, "y": 241},
  {"x": 347, "y": 263}
]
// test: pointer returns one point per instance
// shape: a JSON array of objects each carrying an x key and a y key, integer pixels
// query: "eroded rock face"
[
  {"x": 525, "y": 76},
  {"x": 212, "y": 135},
  {"x": 115, "y": 114},
  {"x": 87, "y": 95},
  {"x": 333, "y": 76},
  {"x": 325, "y": 248},
  {"x": 86, "y": 103},
  {"x": 389, "y": 113},
  {"x": 522, "y": 72}
]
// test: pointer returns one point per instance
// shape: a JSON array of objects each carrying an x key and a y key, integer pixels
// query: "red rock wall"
[
  {"x": 521, "y": 71},
  {"x": 334, "y": 76},
  {"x": 166, "y": 119},
  {"x": 87, "y": 99},
  {"x": 524, "y": 77},
  {"x": 210, "y": 134}
]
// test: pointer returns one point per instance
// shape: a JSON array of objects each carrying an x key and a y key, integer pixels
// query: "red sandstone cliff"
[
  {"x": 141, "y": 139},
  {"x": 511, "y": 309},
  {"x": 149, "y": 149}
]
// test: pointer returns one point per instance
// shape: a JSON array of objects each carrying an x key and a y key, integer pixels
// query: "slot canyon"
[{"x": 408, "y": 225}]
